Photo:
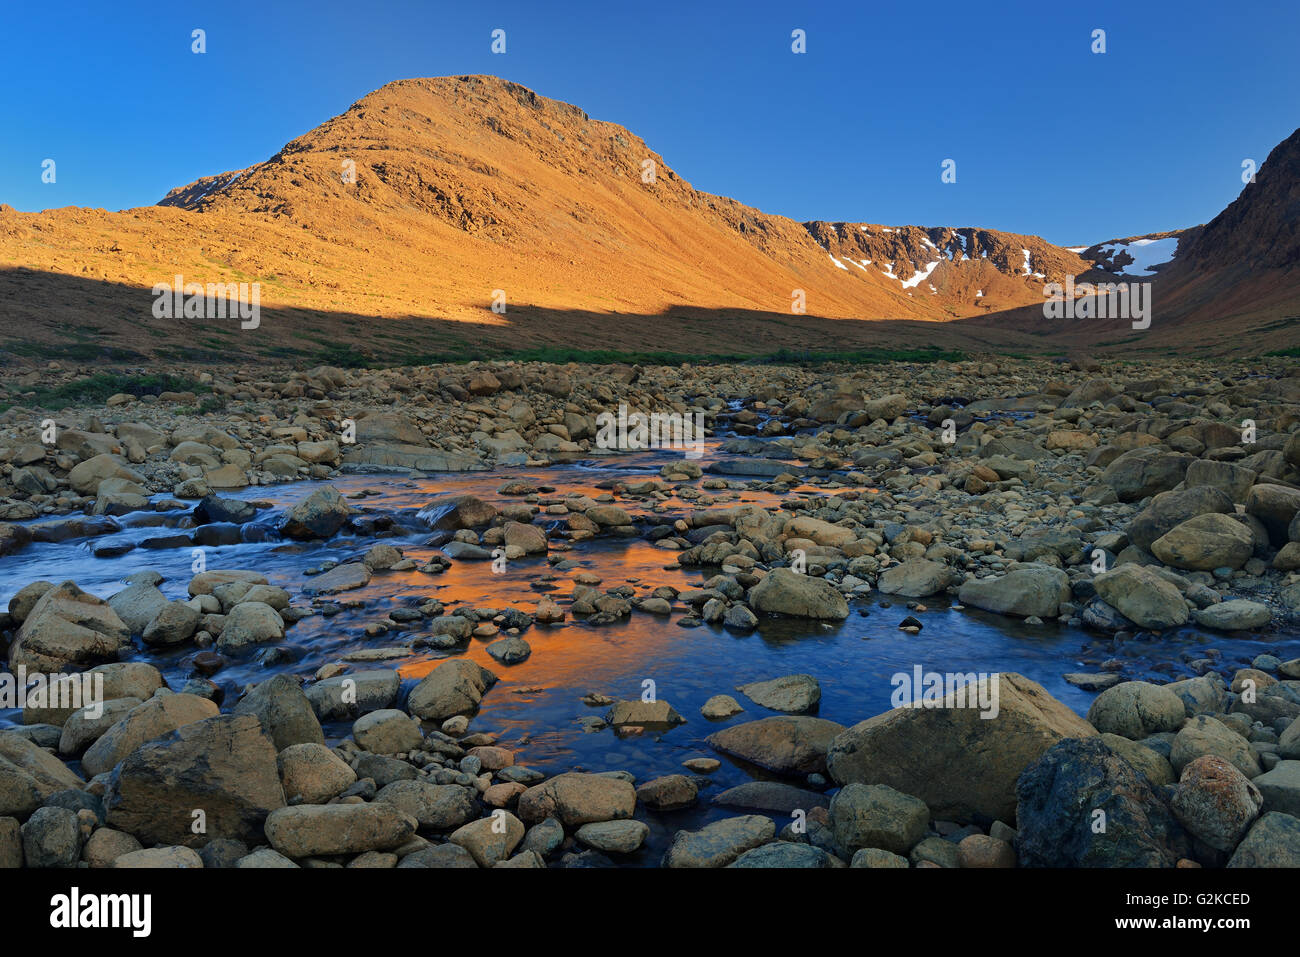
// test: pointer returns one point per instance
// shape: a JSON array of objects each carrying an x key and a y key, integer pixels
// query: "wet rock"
[
  {"x": 436, "y": 806},
  {"x": 1143, "y": 596},
  {"x": 1023, "y": 591},
  {"x": 510, "y": 650},
  {"x": 174, "y": 624},
  {"x": 1061, "y": 795},
  {"x": 793, "y": 694},
  {"x": 720, "y": 843},
  {"x": 154, "y": 718},
  {"x": 1273, "y": 841},
  {"x": 655, "y": 714},
  {"x": 312, "y": 830},
  {"x": 249, "y": 623},
  {"x": 320, "y": 515},
  {"x": 312, "y": 773},
  {"x": 668, "y": 793},
  {"x": 720, "y": 706},
  {"x": 770, "y": 796},
  {"x": 454, "y": 687},
  {"x": 1136, "y": 709},
  {"x": 344, "y": 697},
  {"x": 613, "y": 837},
  {"x": 284, "y": 710},
  {"x": 576, "y": 799},
  {"x": 1215, "y": 802},
  {"x": 215, "y": 509},
  {"x": 1205, "y": 735},
  {"x": 786, "y": 592},
  {"x": 788, "y": 745},
  {"x": 68, "y": 627},
  {"x": 960, "y": 764},
  {"x": 341, "y": 578},
  {"x": 915, "y": 578},
  {"x": 1205, "y": 543},
  {"x": 1238, "y": 614},
  {"x": 224, "y": 766},
  {"x": 464, "y": 511},
  {"x": 387, "y": 731}
]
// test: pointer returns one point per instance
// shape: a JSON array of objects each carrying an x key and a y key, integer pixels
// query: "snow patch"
[{"x": 1146, "y": 253}]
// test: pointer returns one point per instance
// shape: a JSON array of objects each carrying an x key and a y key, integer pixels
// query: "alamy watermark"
[
  {"x": 934, "y": 689},
  {"x": 1107, "y": 300},
  {"x": 635, "y": 431},
  {"x": 62, "y": 691},
  {"x": 216, "y": 300}
]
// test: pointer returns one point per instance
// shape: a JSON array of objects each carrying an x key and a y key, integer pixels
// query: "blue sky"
[{"x": 1049, "y": 138}]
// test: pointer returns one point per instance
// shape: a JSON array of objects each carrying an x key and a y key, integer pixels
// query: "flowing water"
[{"x": 536, "y": 706}]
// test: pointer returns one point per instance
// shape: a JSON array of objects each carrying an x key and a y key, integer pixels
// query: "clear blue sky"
[{"x": 1049, "y": 138}]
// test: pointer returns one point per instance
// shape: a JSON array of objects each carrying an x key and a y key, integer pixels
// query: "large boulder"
[
  {"x": 313, "y": 774},
  {"x": 1237, "y": 614},
  {"x": 1206, "y": 735},
  {"x": 224, "y": 767},
  {"x": 1025, "y": 590},
  {"x": 720, "y": 843},
  {"x": 1231, "y": 479},
  {"x": 346, "y": 696},
  {"x": 1143, "y": 472},
  {"x": 1215, "y": 802},
  {"x": 1136, "y": 710},
  {"x": 138, "y": 605},
  {"x": 1082, "y": 805},
  {"x": 576, "y": 799},
  {"x": 1273, "y": 841},
  {"x": 793, "y": 694},
  {"x": 1142, "y": 596},
  {"x": 463, "y": 511},
  {"x": 68, "y": 627},
  {"x": 86, "y": 476},
  {"x": 1205, "y": 543},
  {"x": 284, "y": 710},
  {"x": 915, "y": 578},
  {"x": 314, "y": 829},
  {"x": 876, "y": 815},
  {"x": 1275, "y": 506},
  {"x": 792, "y": 745},
  {"x": 455, "y": 687},
  {"x": 1168, "y": 510},
  {"x": 249, "y": 623},
  {"x": 319, "y": 515},
  {"x": 960, "y": 764},
  {"x": 152, "y": 719},
  {"x": 437, "y": 806},
  {"x": 784, "y": 591}
]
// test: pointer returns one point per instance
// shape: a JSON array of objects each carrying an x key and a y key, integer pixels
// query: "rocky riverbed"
[{"x": 429, "y": 617}]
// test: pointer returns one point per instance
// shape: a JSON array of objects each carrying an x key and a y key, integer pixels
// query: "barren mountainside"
[{"x": 391, "y": 228}]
